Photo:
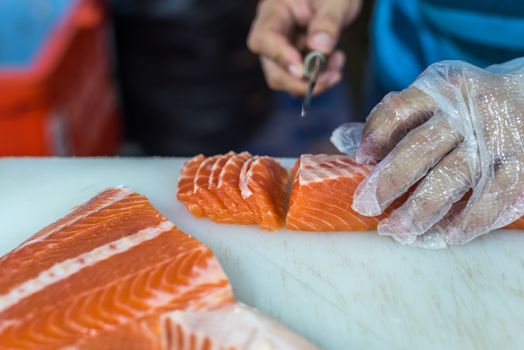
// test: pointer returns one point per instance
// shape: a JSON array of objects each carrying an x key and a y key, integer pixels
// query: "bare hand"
[{"x": 273, "y": 37}]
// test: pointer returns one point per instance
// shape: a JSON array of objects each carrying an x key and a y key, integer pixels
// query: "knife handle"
[{"x": 309, "y": 62}]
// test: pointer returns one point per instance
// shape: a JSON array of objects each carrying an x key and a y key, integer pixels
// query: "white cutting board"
[{"x": 342, "y": 291}]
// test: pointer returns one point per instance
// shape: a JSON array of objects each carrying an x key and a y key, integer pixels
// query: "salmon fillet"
[
  {"x": 238, "y": 188},
  {"x": 231, "y": 327},
  {"x": 112, "y": 266},
  {"x": 322, "y": 195}
]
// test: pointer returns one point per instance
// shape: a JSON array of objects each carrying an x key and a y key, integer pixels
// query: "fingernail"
[
  {"x": 295, "y": 70},
  {"x": 363, "y": 157},
  {"x": 367, "y": 206},
  {"x": 322, "y": 41},
  {"x": 365, "y": 199},
  {"x": 398, "y": 226}
]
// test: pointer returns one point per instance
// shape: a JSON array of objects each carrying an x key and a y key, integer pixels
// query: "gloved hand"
[
  {"x": 456, "y": 128},
  {"x": 273, "y": 36}
]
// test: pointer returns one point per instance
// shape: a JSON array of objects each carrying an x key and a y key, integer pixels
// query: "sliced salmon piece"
[
  {"x": 115, "y": 274},
  {"x": 186, "y": 185},
  {"x": 228, "y": 189},
  {"x": 241, "y": 189},
  {"x": 322, "y": 195},
  {"x": 216, "y": 170},
  {"x": 246, "y": 192},
  {"x": 263, "y": 183},
  {"x": 213, "y": 207}
]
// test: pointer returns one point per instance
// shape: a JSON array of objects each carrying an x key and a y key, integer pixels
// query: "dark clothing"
[{"x": 188, "y": 82}]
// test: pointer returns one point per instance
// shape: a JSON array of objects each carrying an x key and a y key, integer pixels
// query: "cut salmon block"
[
  {"x": 236, "y": 188},
  {"x": 113, "y": 266},
  {"x": 322, "y": 195}
]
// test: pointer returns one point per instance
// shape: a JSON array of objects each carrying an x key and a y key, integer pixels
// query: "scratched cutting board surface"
[{"x": 342, "y": 291}]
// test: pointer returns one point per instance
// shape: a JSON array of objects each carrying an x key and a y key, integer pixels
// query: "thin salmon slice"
[
  {"x": 216, "y": 170},
  {"x": 263, "y": 183},
  {"x": 186, "y": 183},
  {"x": 116, "y": 274},
  {"x": 213, "y": 207},
  {"x": 224, "y": 183},
  {"x": 228, "y": 189},
  {"x": 322, "y": 195}
]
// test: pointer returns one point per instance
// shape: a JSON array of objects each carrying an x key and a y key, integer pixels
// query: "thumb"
[{"x": 328, "y": 21}]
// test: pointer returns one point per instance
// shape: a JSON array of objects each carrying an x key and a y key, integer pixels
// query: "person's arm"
[
  {"x": 273, "y": 32},
  {"x": 456, "y": 129}
]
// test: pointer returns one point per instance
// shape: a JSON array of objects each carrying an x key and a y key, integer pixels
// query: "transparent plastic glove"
[
  {"x": 346, "y": 138},
  {"x": 456, "y": 128}
]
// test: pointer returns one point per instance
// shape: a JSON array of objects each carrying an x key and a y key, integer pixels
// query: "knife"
[{"x": 314, "y": 64}]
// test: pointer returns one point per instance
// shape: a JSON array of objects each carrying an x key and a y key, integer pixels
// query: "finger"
[
  {"x": 333, "y": 67},
  {"x": 496, "y": 204},
  {"x": 328, "y": 79},
  {"x": 445, "y": 184},
  {"x": 429, "y": 241},
  {"x": 280, "y": 80},
  {"x": 301, "y": 11},
  {"x": 336, "y": 61},
  {"x": 396, "y": 115},
  {"x": 270, "y": 36},
  {"x": 409, "y": 161},
  {"x": 329, "y": 19}
]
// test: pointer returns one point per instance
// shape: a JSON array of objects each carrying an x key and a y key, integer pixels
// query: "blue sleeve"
[{"x": 409, "y": 35}]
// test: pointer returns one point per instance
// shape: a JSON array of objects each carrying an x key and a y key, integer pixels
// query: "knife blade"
[{"x": 313, "y": 65}]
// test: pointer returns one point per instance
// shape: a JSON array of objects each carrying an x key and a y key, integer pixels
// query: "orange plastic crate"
[{"x": 64, "y": 103}]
